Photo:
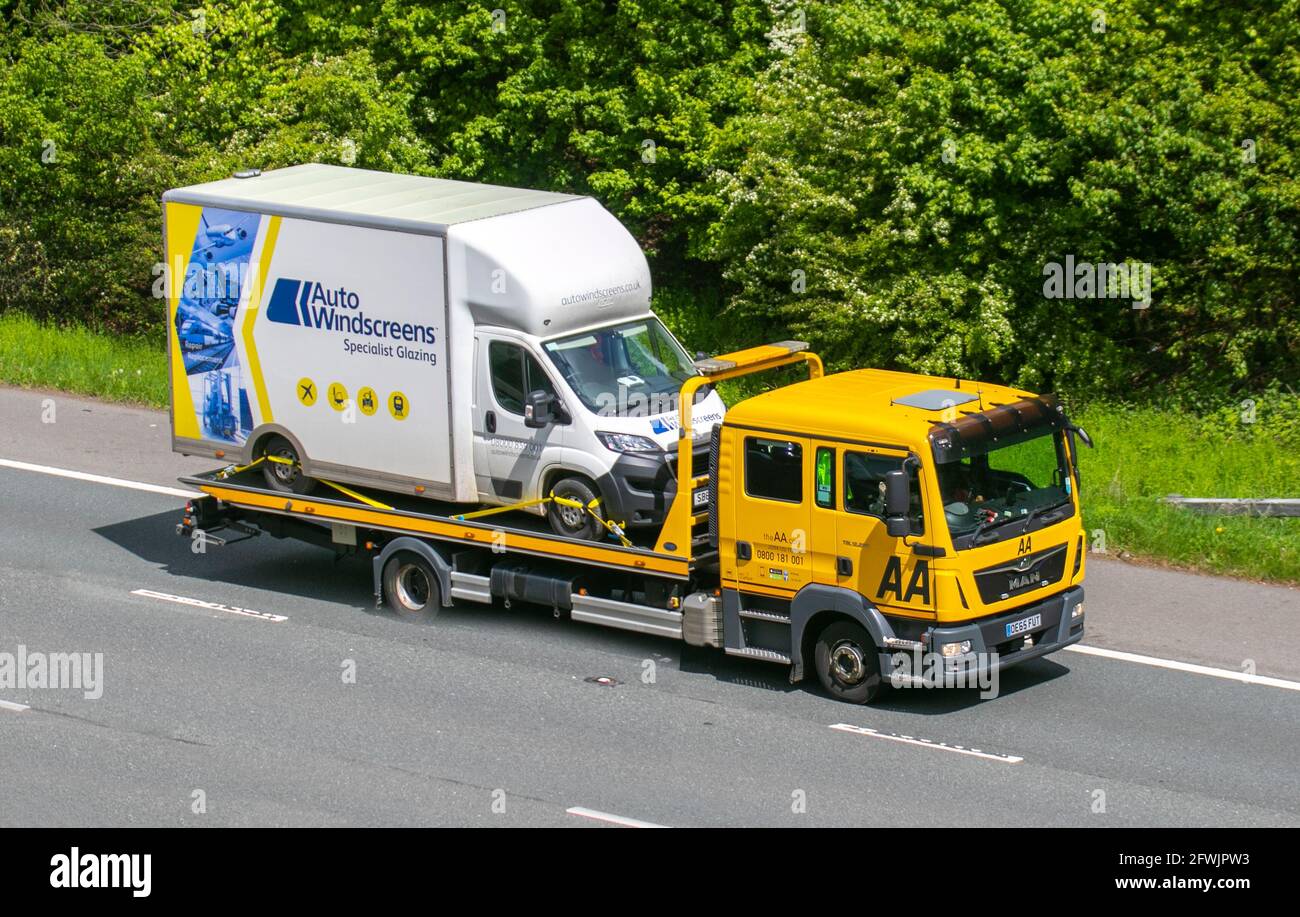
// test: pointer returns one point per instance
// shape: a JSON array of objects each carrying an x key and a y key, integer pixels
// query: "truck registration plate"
[
  {"x": 1024, "y": 625},
  {"x": 700, "y": 498}
]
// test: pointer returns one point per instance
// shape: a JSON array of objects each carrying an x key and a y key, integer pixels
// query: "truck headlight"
[
  {"x": 627, "y": 442},
  {"x": 948, "y": 650},
  {"x": 1077, "y": 611}
]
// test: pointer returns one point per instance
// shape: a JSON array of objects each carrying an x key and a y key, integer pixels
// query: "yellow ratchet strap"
[
  {"x": 231, "y": 470},
  {"x": 612, "y": 527}
]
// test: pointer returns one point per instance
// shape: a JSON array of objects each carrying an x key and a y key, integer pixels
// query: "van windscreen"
[{"x": 634, "y": 369}]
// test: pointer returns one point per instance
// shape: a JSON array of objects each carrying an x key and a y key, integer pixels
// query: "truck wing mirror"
[
  {"x": 1082, "y": 434},
  {"x": 539, "y": 409},
  {"x": 898, "y": 500}
]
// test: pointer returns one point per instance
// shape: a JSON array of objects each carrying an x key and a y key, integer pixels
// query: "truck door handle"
[
  {"x": 844, "y": 566},
  {"x": 490, "y": 421},
  {"x": 743, "y": 550}
]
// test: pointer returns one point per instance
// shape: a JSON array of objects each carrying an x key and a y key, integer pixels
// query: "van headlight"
[{"x": 627, "y": 442}]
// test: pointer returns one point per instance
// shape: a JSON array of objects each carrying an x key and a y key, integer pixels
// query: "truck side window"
[
  {"x": 515, "y": 373},
  {"x": 864, "y": 486},
  {"x": 774, "y": 469},
  {"x": 824, "y": 478}
]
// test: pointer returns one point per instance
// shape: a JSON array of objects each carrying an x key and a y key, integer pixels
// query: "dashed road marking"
[
  {"x": 927, "y": 743},
  {"x": 10, "y": 705},
  {"x": 611, "y": 819},
  {"x": 213, "y": 606}
]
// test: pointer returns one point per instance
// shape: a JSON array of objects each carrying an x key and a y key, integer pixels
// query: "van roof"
[
  {"x": 361, "y": 197},
  {"x": 868, "y": 405}
]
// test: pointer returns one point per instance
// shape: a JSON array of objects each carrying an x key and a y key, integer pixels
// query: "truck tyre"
[
  {"x": 287, "y": 479},
  {"x": 411, "y": 587},
  {"x": 570, "y": 521},
  {"x": 847, "y": 663}
]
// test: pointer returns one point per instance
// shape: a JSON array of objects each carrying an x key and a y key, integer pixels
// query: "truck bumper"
[{"x": 1059, "y": 623}]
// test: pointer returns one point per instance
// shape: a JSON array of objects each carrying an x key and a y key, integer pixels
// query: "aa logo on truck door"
[{"x": 892, "y": 581}]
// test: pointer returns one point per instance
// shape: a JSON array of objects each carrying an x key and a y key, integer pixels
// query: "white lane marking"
[
  {"x": 1266, "y": 680},
  {"x": 97, "y": 478},
  {"x": 214, "y": 606},
  {"x": 927, "y": 743},
  {"x": 612, "y": 819},
  {"x": 10, "y": 705}
]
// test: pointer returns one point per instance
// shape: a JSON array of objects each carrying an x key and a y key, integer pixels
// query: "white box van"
[{"x": 468, "y": 343}]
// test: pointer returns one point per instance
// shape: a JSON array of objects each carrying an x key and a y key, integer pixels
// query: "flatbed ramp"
[{"x": 397, "y": 514}]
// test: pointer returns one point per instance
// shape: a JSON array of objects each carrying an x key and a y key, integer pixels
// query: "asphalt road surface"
[{"x": 322, "y": 710}]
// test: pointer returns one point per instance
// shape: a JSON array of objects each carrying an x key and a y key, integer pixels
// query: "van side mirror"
[
  {"x": 898, "y": 500},
  {"x": 539, "y": 409}
]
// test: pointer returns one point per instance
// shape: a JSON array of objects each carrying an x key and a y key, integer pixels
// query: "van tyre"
[
  {"x": 848, "y": 663},
  {"x": 411, "y": 587},
  {"x": 287, "y": 479},
  {"x": 571, "y": 521}
]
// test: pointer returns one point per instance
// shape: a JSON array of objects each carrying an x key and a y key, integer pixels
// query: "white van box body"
[{"x": 343, "y": 309}]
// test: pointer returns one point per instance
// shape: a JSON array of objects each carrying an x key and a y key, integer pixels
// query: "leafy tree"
[{"x": 921, "y": 163}]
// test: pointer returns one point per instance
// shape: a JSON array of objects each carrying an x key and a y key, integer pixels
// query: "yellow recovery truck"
[{"x": 872, "y": 526}]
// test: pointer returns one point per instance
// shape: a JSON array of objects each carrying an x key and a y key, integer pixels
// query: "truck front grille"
[{"x": 1018, "y": 577}]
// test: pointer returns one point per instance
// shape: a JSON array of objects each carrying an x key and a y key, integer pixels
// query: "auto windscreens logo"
[{"x": 309, "y": 303}]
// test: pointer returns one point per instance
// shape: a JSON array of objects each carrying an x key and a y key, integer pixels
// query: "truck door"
[
  {"x": 508, "y": 455},
  {"x": 868, "y": 559},
  {"x": 772, "y": 514}
]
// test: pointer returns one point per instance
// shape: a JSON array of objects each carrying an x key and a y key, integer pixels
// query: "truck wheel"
[
  {"x": 847, "y": 663},
  {"x": 570, "y": 521},
  {"x": 411, "y": 586},
  {"x": 288, "y": 479}
]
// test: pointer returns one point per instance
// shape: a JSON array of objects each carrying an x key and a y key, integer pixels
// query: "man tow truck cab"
[{"x": 870, "y": 515}]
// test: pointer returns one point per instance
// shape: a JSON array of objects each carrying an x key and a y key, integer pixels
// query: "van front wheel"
[{"x": 574, "y": 521}]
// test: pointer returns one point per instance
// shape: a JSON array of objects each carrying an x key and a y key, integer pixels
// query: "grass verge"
[
  {"x": 74, "y": 359},
  {"x": 1144, "y": 454}
]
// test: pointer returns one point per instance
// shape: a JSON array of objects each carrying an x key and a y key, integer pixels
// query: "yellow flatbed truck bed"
[{"x": 396, "y": 514}]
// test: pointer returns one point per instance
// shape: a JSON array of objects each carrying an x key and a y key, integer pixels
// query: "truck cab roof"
[{"x": 875, "y": 406}]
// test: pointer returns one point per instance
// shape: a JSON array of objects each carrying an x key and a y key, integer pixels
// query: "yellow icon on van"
[
  {"x": 338, "y": 396},
  {"x": 306, "y": 391},
  {"x": 398, "y": 406},
  {"x": 367, "y": 401}
]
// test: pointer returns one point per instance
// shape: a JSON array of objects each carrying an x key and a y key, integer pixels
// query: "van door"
[
  {"x": 870, "y": 561},
  {"x": 508, "y": 455}
]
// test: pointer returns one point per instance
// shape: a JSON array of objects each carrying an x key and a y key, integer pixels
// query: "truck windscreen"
[
  {"x": 634, "y": 369},
  {"x": 1000, "y": 466}
]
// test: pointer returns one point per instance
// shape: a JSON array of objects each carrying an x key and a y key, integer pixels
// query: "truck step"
[
  {"x": 756, "y": 615},
  {"x": 754, "y": 652}
]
